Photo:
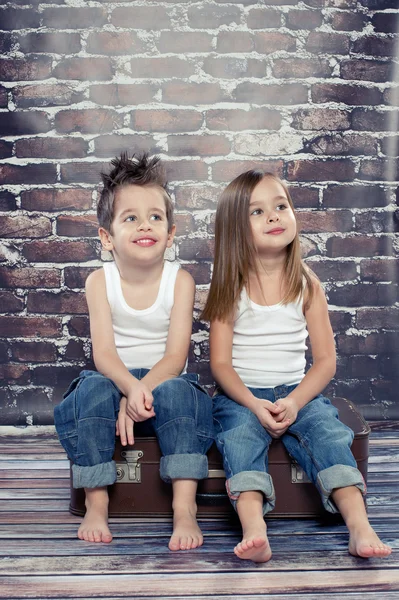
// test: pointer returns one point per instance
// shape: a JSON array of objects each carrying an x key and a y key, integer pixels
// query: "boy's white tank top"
[
  {"x": 269, "y": 343},
  {"x": 140, "y": 335}
]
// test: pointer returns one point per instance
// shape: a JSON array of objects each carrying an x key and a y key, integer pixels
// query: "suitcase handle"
[{"x": 212, "y": 499}]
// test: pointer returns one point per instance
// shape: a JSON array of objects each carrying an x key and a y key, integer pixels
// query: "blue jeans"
[
  {"x": 318, "y": 441},
  {"x": 86, "y": 422}
]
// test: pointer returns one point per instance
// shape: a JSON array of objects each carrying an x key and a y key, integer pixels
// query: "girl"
[{"x": 262, "y": 304}]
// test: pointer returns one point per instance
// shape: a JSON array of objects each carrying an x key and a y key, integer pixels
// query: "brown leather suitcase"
[{"x": 140, "y": 492}]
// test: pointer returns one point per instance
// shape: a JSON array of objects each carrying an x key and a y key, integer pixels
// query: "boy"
[{"x": 140, "y": 310}]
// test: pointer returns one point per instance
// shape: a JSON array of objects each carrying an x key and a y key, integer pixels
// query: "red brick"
[
  {"x": 85, "y": 226},
  {"x": 304, "y": 197},
  {"x": 59, "y": 199},
  {"x": 3, "y": 97},
  {"x": 18, "y": 122},
  {"x": 184, "y": 224},
  {"x": 90, "y": 120},
  {"x": 196, "y": 249},
  {"x": 25, "y": 69},
  {"x": 348, "y": 21},
  {"x": 262, "y": 18},
  {"x": 10, "y": 303},
  {"x": 29, "y": 277},
  {"x": 379, "y": 269},
  {"x": 75, "y": 277},
  {"x": 201, "y": 272},
  {"x": 54, "y": 42},
  {"x": 390, "y": 145},
  {"x": 321, "y": 221},
  {"x": 389, "y": 367},
  {"x": 386, "y": 23},
  {"x": 15, "y": 18},
  {"x": 304, "y": 19},
  {"x": 340, "y": 321},
  {"x": 343, "y": 144},
  {"x": 346, "y": 93},
  {"x": 363, "y": 294},
  {"x": 212, "y": 17},
  {"x": 379, "y": 4},
  {"x": 22, "y": 226},
  {"x": 79, "y": 326},
  {"x": 321, "y": 42},
  {"x": 15, "y": 374},
  {"x": 185, "y": 92},
  {"x": 6, "y": 41},
  {"x": 182, "y": 42},
  {"x": 186, "y": 170},
  {"x": 5, "y": 149},
  {"x": 59, "y": 251},
  {"x": 227, "y": 170},
  {"x": 321, "y": 170},
  {"x": 166, "y": 120},
  {"x": 85, "y": 69},
  {"x": 237, "y": 120},
  {"x": 363, "y": 366},
  {"x": 232, "y": 68},
  {"x": 33, "y": 352},
  {"x": 284, "y": 94},
  {"x": 85, "y": 172},
  {"x": 300, "y": 68},
  {"x": 30, "y": 327},
  {"x": 321, "y": 118},
  {"x": 73, "y": 18},
  {"x": 59, "y": 376},
  {"x": 377, "y": 318},
  {"x": 7, "y": 201},
  {"x": 379, "y": 169},
  {"x": 161, "y": 67},
  {"x": 376, "y": 222},
  {"x": 375, "y": 46},
  {"x": 119, "y": 94},
  {"x": 360, "y": 245},
  {"x": 115, "y": 42},
  {"x": 57, "y": 94},
  {"x": 141, "y": 17},
  {"x": 17, "y": 174},
  {"x": 372, "y": 120},
  {"x": 67, "y": 303},
  {"x": 196, "y": 197},
  {"x": 51, "y": 148},
  {"x": 198, "y": 145},
  {"x": 366, "y": 70},
  {"x": 3, "y": 352},
  {"x": 337, "y": 196},
  {"x": 273, "y": 41},
  {"x": 332, "y": 270},
  {"x": 112, "y": 145},
  {"x": 374, "y": 343},
  {"x": 235, "y": 41},
  {"x": 74, "y": 350}
]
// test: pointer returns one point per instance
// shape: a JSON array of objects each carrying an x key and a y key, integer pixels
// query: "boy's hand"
[
  {"x": 289, "y": 409},
  {"x": 268, "y": 413},
  {"x": 124, "y": 424},
  {"x": 139, "y": 403}
]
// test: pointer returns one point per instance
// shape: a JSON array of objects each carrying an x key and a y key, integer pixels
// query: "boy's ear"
[
  {"x": 171, "y": 236},
  {"x": 106, "y": 239}
]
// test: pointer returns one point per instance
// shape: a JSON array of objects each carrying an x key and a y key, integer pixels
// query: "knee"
[
  {"x": 97, "y": 396},
  {"x": 174, "y": 398}
]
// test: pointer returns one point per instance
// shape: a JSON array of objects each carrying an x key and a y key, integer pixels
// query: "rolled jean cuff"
[
  {"x": 252, "y": 481},
  {"x": 183, "y": 466},
  {"x": 336, "y": 477},
  {"x": 95, "y": 476}
]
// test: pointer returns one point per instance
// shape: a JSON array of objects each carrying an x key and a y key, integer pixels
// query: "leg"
[
  {"x": 244, "y": 444},
  {"x": 183, "y": 425},
  {"x": 363, "y": 541}
]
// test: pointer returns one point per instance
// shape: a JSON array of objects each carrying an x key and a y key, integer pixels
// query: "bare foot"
[
  {"x": 364, "y": 542},
  {"x": 255, "y": 547},
  {"x": 186, "y": 533},
  {"x": 94, "y": 527}
]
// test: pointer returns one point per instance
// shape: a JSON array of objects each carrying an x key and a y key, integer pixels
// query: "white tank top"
[
  {"x": 140, "y": 335},
  {"x": 269, "y": 343}
]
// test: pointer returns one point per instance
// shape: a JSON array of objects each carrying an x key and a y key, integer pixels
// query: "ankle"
[
  {"x": 96, "y": 498},
  {"x": 184, "y": 509}
]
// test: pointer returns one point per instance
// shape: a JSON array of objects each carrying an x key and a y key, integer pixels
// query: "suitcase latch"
[
  {"x": 129, "y": 472},
  {"x": 298, "y": 475}
]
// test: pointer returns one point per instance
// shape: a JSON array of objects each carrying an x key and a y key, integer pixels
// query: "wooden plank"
[
  {"x": 34, "y": 494},
  {"x": 20, "y": 465},
  {"x": 259, "y": 582},
  {"x": 34, "y": 473},
  {"x": 35, "y": 483}
]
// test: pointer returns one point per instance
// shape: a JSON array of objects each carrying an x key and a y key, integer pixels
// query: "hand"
[
  {"x": 268, "y": 413},
  {"x": 124, "y": 424},
  {"x": 289, "y": 409},
  {"x": 139, "y": 403}
]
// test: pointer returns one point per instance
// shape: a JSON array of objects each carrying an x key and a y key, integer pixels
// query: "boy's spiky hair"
[{"x": 138, "y": 170}]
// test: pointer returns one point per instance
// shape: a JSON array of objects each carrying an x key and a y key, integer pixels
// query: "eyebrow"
[
  {"x": 276, "y": 198},
  {"x": 129, "y": 211}
]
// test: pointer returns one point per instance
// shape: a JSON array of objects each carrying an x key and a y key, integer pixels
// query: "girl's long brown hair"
[{"x": 235, "y": 252}]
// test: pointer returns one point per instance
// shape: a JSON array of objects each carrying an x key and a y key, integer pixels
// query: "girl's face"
[{"x": 272, "y": 219}]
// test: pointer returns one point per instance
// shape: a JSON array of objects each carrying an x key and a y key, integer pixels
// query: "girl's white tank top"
[
  {"x": 269, "y": 343},
  {"x": 140, "y": 335}
]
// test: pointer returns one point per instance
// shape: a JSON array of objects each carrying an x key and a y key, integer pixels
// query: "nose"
[
  {"x": 273, "y": 216},
  {"x": 144, "y": 225}
]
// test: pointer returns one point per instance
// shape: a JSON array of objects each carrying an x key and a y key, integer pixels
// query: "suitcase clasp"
[
  {"x": 298, "y": 475},
  {"x": 129, "y": 472}
]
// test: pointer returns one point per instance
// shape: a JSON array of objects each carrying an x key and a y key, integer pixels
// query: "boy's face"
[{"x": 139, "y": 229}]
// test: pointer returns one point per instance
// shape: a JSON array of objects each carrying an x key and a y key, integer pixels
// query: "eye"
[
  {"x": 256, "y": 212},
  {"x": 156, "y": 217},
  {"x": 282, "y": 207},
  {"x": 131, "y": 218}
]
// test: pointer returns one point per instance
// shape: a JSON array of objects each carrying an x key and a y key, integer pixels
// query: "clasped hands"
[
  {"x": 278, "y": 416},
  {"x": 134, "y": 408}
]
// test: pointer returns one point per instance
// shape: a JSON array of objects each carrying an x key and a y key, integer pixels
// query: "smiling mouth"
[
  {"x": 276, "y": 231},
  {"x": 145, "y": 242}
]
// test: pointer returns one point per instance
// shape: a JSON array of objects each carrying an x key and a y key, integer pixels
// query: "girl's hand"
[
  {"x": 289, "y": 409},
  {"x": 139, "y": 403},
  {"x": 124, "y": 424},
  {"x": 268, "y": 413}
]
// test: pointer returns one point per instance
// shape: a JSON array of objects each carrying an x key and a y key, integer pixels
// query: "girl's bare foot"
[
  {"x": 364, "y": 542},
  {"x": 254, "y": 547},
  {"x": 186, "y": 533},
  {"x": 94, "y": 527}
]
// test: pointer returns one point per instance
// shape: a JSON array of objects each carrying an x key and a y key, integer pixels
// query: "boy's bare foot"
[
  {"x": 364, "y": 542},
  {"x": 186, "y": 533},
  {"x": 254, "y": 547},
  {"x": 94, "y": 527}
]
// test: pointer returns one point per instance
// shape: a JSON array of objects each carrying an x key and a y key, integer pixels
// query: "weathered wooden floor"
[{"x": 41, "y": 557}]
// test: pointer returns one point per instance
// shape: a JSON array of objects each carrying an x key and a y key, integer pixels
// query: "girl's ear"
[
  {"x": 106, "y": 239},
  {"x": 171, "y": 236}
]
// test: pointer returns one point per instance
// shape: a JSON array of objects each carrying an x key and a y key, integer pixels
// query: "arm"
[
  {"x": 179, "y": 335},
  {"x": 221, "y": 343}
]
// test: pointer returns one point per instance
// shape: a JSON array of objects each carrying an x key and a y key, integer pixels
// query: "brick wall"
[{"x": 308, "y": 89}]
